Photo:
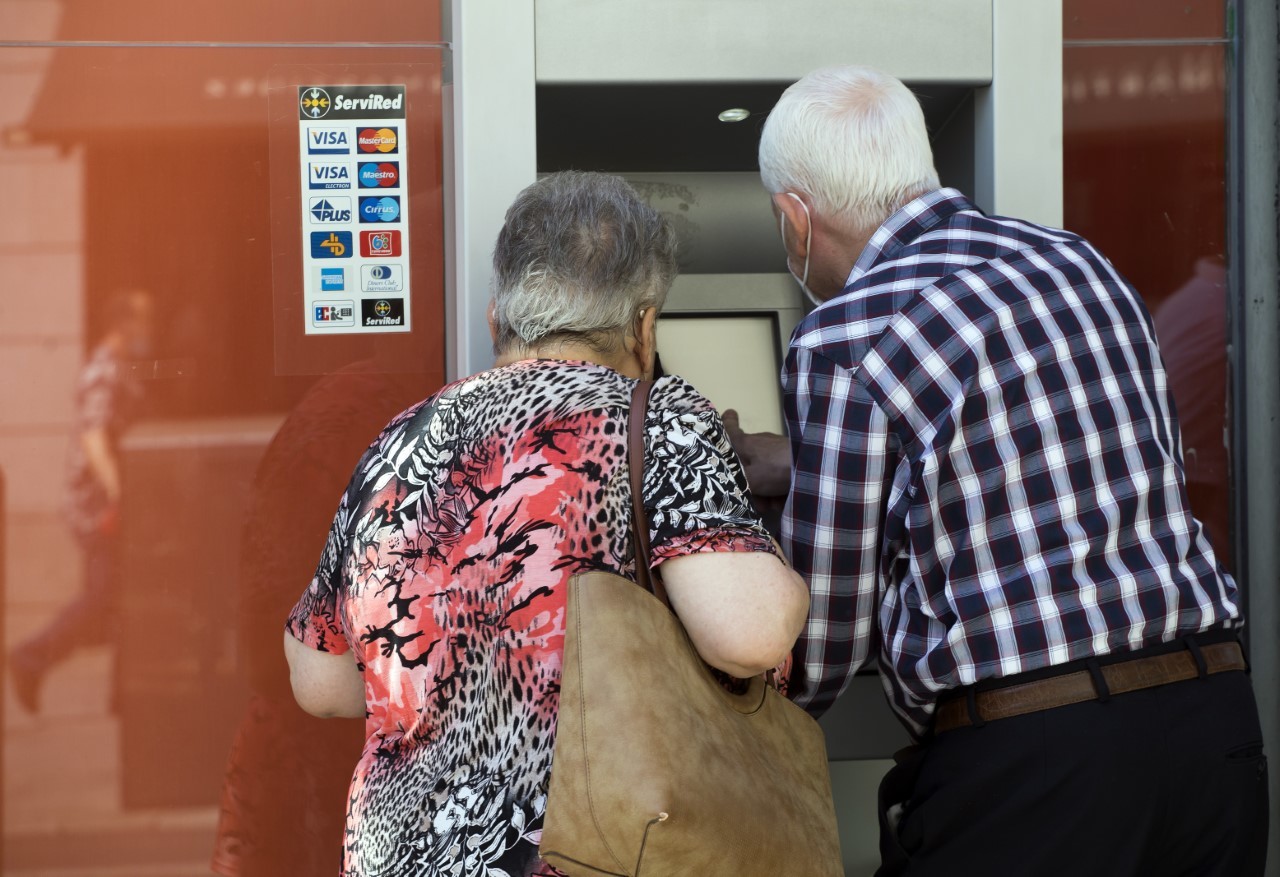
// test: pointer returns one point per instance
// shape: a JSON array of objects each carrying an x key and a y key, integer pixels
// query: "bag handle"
[{"x": 645, "y": 576}]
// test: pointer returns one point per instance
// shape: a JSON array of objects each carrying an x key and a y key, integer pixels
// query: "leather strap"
[
  {"x": 1078, "y": 687},
  {"x": 645, "y": 576}
]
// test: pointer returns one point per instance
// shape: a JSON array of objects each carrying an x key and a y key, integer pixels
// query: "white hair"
[
  {"x": 854, "y": 140},
  {"x": 579, "y": 255}
]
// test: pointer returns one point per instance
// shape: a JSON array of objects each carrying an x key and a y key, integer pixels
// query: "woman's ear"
[
  {"x": 493, "y": 323},
  {"x": 647, "y": 336}
]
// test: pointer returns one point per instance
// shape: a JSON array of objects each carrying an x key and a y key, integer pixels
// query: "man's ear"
[{"x": 795, "y": 228}]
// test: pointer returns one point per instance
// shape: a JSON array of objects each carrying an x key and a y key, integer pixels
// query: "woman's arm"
[
  {"x": 743, "y": 610},
  {"x": 325, "y": 685}
]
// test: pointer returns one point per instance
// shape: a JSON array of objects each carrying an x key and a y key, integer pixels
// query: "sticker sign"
[{"x": 355, "y": 204}]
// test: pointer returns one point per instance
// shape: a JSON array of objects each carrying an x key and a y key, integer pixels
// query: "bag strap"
[{"x": 645, "y": 576}]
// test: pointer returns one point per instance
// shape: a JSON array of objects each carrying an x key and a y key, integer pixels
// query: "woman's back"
[{"x": 445, "y": 572}]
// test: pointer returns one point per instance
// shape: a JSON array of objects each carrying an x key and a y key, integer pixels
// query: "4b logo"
[
  {"x": 331, "y": 244},
  {"x": 330, "y": 176},
  {"x": 330, "y": 210},
  {"x": 379, "y": 243},
  {"x": 328, "y": 141}
]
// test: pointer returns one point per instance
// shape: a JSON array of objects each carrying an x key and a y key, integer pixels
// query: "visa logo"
[
  {"x": 328, "y": 141},
  {"x": 330, "y": 176}
]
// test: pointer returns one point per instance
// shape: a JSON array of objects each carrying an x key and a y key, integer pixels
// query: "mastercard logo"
[{"x": 383, "y": 140}]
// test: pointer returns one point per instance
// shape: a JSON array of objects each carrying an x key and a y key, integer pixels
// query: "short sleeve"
[
  {"x": 315, "y": 619},
  {"x": 695, "y": 490}
]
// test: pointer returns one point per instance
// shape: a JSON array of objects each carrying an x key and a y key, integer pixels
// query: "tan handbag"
[{"x": 658, "y": 770}]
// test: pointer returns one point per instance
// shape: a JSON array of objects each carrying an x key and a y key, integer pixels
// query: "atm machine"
[{"x": 640, "y": 88}]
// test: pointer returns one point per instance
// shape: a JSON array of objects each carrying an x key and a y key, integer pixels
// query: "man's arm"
[{"x": 833, "y": 525}]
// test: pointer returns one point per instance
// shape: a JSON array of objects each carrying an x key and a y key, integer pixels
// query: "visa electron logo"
[
  {"x": 330, "y": 176},
  {"x": 380, "y": 175},
  {"x": 328, "y": 210},
  {"x": 315, "y": 103},
  {"x": 328, "y": 141},
  {"x": 384, "y": 140},
  {"x": 379, "y": 243},
  {"x": 384, "y": 209},
  {"x": 333, "y": 279},
  {"x": 331, "y": 244}
]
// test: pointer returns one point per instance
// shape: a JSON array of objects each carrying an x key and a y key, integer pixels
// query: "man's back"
[{"x": 1007, "y": 427}]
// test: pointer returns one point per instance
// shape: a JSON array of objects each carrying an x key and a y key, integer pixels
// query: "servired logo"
[
  {"x": 383, "y": 140},
  {"x": 379, "y": 175},
  {"x": 379, "y": 243}
]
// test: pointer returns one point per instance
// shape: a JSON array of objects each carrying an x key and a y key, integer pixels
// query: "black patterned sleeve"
[
  {"x": 695, "y": 490},
  {"x": 315, "y": 620}
]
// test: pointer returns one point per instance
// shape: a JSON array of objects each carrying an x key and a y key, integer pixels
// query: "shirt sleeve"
[
  {"x": 832, "y": 528},
  {"x": 695, "y": 490},
  {"x": 315, "y": 619}
]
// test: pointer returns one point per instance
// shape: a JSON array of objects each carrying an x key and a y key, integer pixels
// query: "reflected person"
[
  {"x": 437, "y": 609},
  {"x": 108, "y": 398},
  {"x": 988, "y": 499}
]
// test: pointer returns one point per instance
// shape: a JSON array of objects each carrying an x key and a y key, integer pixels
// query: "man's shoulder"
[{"x": 964, "y": 252}]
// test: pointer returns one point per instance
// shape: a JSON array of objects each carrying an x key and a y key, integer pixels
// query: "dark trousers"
[
  {"x": 1163, "y": 782},
  {"x": 89, "y": 619}
]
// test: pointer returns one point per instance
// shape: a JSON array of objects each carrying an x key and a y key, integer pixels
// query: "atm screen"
[{"x": 732, "y": 359}]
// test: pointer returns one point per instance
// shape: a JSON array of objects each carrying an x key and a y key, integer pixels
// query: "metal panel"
[
  {"x": 761, "y": 40},
  {"x": 1255, "y": 361},
  {"x": 494, "y": 155},
  {"x": 1019, "y": 116}
]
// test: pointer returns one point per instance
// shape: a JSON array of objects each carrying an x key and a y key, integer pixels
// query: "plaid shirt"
[{"x": 987, "y": 470}]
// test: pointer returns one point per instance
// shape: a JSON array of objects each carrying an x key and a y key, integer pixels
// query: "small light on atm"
[{"x": 734, "y": 114}]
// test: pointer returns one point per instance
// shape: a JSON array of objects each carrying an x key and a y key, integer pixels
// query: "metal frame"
[{"x": 1254, "y": 141}]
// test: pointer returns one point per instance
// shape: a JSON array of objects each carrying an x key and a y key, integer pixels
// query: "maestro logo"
[
  {"x": 314, "y": 102},
  {"x": 384, "y": 209},
  {"x": 328, "y": 141},
  {"x": 332, "y": 244},
  {"x": 330, "y": 210},
  {"x": 381, "y": 278},
  {"x": 379, "y": 175},
  {"x": 379, "y": 243},
  {"x": 383, "y": 140},
  {"x": 329, "y": 176},
  {"x": 382, "y": 312}
]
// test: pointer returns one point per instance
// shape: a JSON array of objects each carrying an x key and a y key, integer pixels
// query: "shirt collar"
[{"x": 905, "y": 225}]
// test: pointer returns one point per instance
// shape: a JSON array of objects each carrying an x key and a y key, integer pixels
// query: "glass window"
[{"x": 173, "y": 443}]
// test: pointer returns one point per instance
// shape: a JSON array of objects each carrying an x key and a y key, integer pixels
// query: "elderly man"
[{"x": 987, "y": 497}]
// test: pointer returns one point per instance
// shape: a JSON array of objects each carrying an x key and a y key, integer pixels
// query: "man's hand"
[{"x": 766, "y": 456}]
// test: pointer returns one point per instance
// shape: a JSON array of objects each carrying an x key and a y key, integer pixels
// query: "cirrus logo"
[
  {"x": 384, "y": 209},
  {"x": 380, "y": 175}
]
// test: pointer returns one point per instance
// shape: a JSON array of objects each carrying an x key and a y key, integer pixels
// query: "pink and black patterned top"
[{"x": 445, "y": 570}]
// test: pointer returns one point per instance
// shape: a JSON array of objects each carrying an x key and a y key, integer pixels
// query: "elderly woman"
[{"x": 437, "y": 610}]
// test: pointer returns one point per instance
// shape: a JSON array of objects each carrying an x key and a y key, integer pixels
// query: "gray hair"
[
  {"x": 579, "y": 255},
  {"x": 854, "y": 140}
]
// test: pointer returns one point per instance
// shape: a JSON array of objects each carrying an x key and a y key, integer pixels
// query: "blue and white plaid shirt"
[{"x": 987, "y": 471}]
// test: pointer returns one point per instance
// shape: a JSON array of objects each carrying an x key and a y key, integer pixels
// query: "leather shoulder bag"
[{"x": 658, "y": 770}]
